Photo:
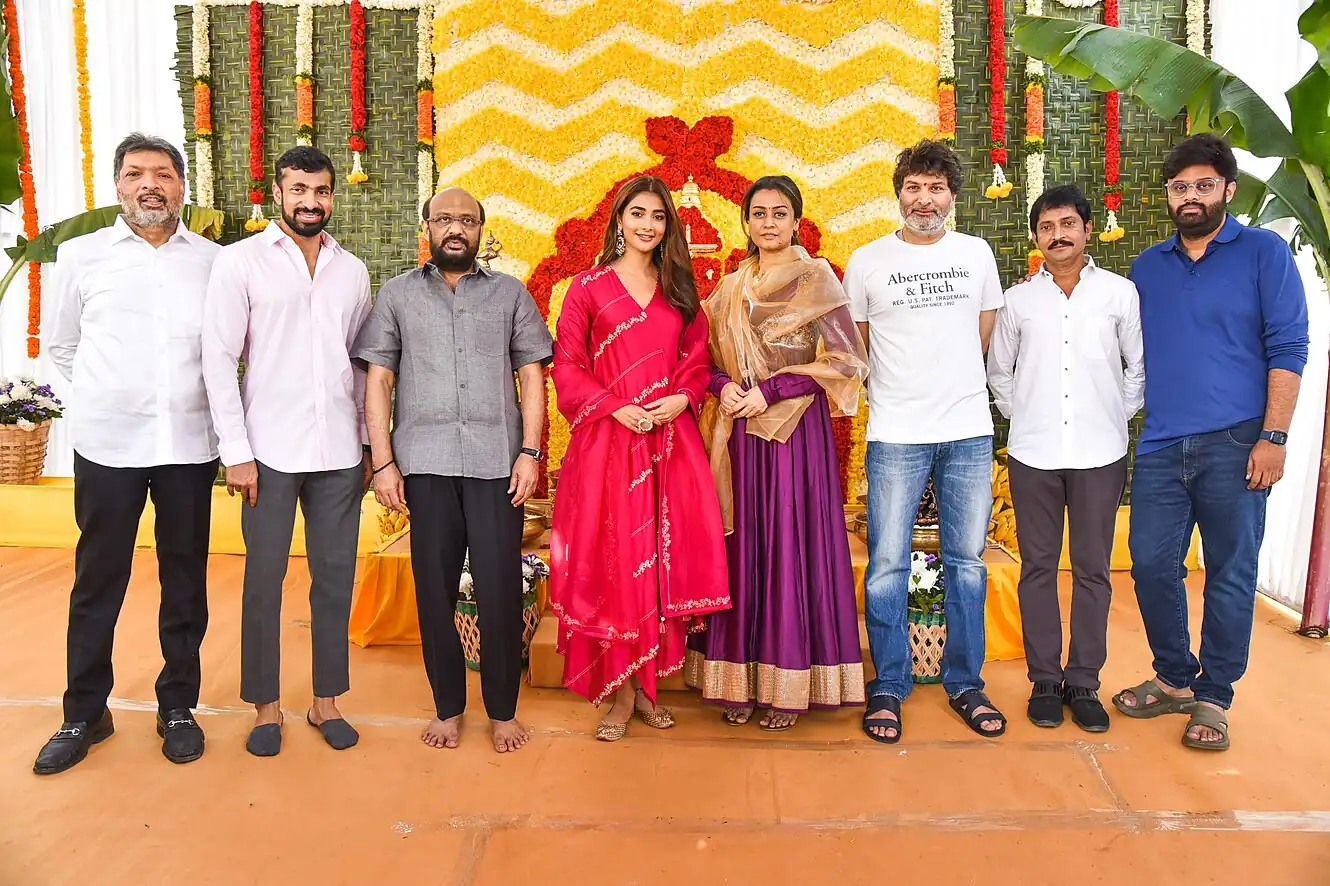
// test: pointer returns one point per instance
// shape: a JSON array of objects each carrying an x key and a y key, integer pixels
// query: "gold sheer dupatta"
[{"x": 791, "y": 318}]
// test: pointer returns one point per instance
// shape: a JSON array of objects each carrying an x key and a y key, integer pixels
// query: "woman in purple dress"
[{"x": 788, "y": 357}]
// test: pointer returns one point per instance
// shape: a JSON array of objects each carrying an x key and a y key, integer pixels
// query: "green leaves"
[
  {"x": 1287, "y": 194},
  {"x": 11, "y": 149},
  {"x": 1167, "y": 77},
  {"x": 205, "y": 222}
]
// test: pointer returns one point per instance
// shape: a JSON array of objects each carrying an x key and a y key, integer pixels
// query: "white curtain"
[
  {"x": 1259, "y": 42},
  {"x": 131, "y": 54}
]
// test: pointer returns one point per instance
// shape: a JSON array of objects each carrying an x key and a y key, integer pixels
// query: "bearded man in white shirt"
[
  {"x": 289, "y": 302},
  {"x": 1056, "y": 369},
  {"x": 128, "y": 303},
  {"x": 925, "y": 299}
]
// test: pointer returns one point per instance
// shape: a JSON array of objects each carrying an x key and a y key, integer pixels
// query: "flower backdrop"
[{"x": 543, "y": 107}]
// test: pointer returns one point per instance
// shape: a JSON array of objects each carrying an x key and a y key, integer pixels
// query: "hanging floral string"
[
  {"x": 202, "y": 55},
  {"x": 256, "y": 185},
  {"x": 357, "y": 140},
  {"x": 1112, "y": 148},
  {"x": 1035, "y": 83},
  {"x": 946, "y": 81},
  {"x": 424, "y": 116},
  {"x": 304, "y": 74},
  {"x": 997, "y": 100},
  {"x": 18, "y": 96},
  {"x": 85, "y": 100}
]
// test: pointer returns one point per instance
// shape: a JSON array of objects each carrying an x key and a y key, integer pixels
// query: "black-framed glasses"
[
  {"x": 470, "y": 222},
  {"x": 1204, "y": 187}
]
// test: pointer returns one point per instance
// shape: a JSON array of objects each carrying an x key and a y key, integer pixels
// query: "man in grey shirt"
[{"x": 451, "y": 335}]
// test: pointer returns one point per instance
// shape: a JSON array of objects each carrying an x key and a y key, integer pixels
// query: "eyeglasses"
[
  {"x": 1204, "y": 187},
  {"x": 470, "y": 222}
]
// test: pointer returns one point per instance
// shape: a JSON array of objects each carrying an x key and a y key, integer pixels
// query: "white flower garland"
[
  {"x": 204, "y": 174},
  {"x": 425, "y": 62},
  {"x": 1034, "y": 161},
  {"x": 946, "y": 43},
  {"x": 304, "y": 51},
  {"x": 1196, "y": 26}
]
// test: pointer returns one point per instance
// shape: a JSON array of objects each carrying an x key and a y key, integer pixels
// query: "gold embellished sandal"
[
  {"x": 607, "y": 731},
  {"x": 660, "y": 718}
]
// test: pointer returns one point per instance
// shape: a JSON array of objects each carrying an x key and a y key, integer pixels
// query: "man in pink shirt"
[{"x": 289, "y": 302}]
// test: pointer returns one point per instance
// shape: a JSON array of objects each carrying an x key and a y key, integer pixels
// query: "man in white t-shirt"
[{"x": 925, "y": 299}]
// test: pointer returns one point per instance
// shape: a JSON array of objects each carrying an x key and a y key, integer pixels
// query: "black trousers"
[
  {"x": 1090, "y": 500},
  {"x": 108, "y": 503},
  {"x": 449, "y": 517}
]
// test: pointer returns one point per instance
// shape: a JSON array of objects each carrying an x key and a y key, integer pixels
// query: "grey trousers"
[
  {"x": 1090, "y": 499},
  {"x": 330, "y": 502}
]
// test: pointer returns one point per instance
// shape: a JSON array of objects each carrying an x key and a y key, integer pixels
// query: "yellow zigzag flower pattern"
[{"x": 541, "y": 106}]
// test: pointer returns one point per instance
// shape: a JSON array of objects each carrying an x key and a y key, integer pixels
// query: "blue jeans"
[
  {"x": 962, "y": 474},
  {"x": 1199, "y": 480}
]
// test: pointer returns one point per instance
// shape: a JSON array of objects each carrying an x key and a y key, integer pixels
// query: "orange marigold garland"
[
  {"x": 305, "y": 74},
  {"x": 1112, "y": 148},
  {"x": 997, "y": 99},
  {"x": 85, "y": 100},
  {"x": 18, "y": 96},
  {"x": 256, "y": 183},
  {"x": 358, "y": 117},
  {"x": 946, "y": 81}
]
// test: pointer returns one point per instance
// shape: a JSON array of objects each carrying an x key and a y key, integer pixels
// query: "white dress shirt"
[
  {"x": 127, "y": 334},
  {"x": 1055, "y": 365},
  {"x": 301, "y": 407}
]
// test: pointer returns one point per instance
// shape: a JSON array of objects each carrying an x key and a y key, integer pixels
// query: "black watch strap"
[
  {"x": 534, "y": 453},
  {"x": 1279, "y": 438}
]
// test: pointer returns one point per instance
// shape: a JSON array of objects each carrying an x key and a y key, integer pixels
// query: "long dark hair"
[
  {"x": 671, "y": 255},
  {"x": 785, "y": 185}
]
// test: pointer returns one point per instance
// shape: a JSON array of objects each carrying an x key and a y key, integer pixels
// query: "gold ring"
[{"x": 644, "y": 424}]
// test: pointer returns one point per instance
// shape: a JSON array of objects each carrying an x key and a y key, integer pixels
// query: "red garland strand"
[
  {"x": 684, "y": 151},
  {"x": 1112, "y": 132},
  {"x": 358, "y": 118},
  {"x": 997, "y": 67},
  {"x": 256, "y": 188}
]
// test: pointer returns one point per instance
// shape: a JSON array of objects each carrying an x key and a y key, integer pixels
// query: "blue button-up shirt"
[{"x": 1214, "y": 328}]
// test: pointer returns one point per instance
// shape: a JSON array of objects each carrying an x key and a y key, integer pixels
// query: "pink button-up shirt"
[{"x": 301, "y": 406}]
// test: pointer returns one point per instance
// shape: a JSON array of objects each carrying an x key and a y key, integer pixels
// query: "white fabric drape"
[{"x": 131, "y": 54}]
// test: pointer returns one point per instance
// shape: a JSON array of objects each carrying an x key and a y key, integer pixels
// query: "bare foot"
[
  {"x": 988, "y": 725},
  {"x": 323, "y": 710},
  {"x": 442, "y": 733},
  {"x": 509, "y": 735},
  {"x": 778, "y": 720},
  {"x": 265, "y": 714},
  {"x": 1205, "y": 733},
  {"x": 890, "y": 727},
  {"x": 1129, "y": 699},
  {"x": 740, "y": 715}
]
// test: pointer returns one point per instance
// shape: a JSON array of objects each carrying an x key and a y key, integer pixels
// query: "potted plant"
[
  {"x": 26, "y": 412},
  {"x": 927, "y": 614},
  {"x": 467, "y": 618}
]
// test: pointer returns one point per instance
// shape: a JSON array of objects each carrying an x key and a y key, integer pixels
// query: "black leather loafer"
[
  {"x": 70, "y": 745},
  {"x": 182, "y": 738}
]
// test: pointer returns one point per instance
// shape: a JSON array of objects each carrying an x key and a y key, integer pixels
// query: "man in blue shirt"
[{"x": 1224, "y": 321}]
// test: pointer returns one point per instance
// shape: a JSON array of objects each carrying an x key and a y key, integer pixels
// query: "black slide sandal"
[
  {"x": 968, "y": 701},
  {"x": 883, "y": 703}
]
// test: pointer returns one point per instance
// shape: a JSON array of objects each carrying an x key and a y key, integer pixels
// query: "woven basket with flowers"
[{"x": 26, "y": 412}]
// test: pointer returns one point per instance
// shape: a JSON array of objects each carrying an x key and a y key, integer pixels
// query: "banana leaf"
[
  {"x": 43, "y": 248},
  {"x": 1286, "y": 194},
  {"x": 1164, "y": 75},
  {"x": 11, "y": 149}
]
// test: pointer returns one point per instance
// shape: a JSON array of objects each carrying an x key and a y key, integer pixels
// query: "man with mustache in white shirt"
[{"x": 1055, "y": 366}]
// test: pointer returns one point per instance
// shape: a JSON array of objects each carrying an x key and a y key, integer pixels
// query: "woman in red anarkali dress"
[{"x": 637, "y": 549}]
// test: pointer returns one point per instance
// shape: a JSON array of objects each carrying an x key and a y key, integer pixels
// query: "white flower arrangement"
[
  {"x": 425, "y": 61},
  {"x": 946, "y": 43},
  {"x": 1196, "y": 26},
  {"x": 926, "y": 583},
  {"x": 26, "y": 404}
]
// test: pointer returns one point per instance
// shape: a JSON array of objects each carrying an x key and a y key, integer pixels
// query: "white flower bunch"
[{"x": 26, "y": 404}]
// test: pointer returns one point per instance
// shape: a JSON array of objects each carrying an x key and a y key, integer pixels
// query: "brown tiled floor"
[{"x": 702, "y": 804}]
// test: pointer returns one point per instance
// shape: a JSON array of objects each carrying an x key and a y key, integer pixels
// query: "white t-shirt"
[{"x": 926, "y": 375}]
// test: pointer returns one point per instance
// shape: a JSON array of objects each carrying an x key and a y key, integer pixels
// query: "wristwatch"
[
  {"x": 534, "y": 453},
  {"x": 1279, "y": 438}
]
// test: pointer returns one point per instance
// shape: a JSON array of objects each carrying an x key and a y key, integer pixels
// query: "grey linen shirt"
[{"x": 455, "y": 355}]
